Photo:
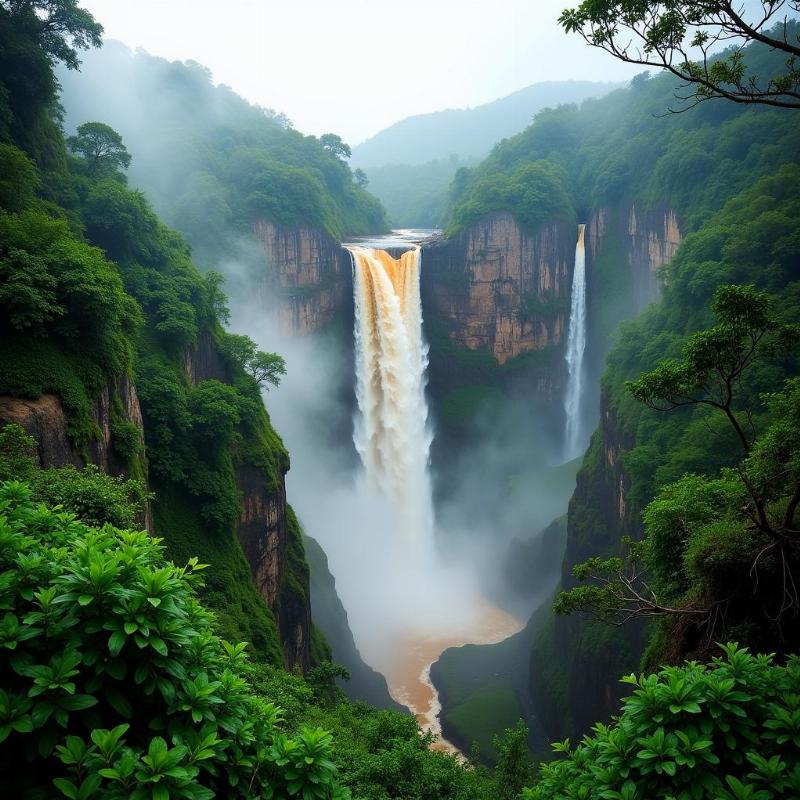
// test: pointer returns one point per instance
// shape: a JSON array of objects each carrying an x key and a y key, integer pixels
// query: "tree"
[
  {"x": 718, "y": 553},
  {"x": 265, "y": 368},
  {"x": 513, "y": 763},
  {"x": 59, "y": 27},
  {"x": 101, "y": 147},
  {"x": 361, "y": 178},
  {"x": 681, "y": 37},
  {"x": 334, "y": 144}
]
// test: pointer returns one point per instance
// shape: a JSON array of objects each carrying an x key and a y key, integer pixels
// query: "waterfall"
[
  {"x": 391, "y": 435},
  {"x": 576, "y": 344}
]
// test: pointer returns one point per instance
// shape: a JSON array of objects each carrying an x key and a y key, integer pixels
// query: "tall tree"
[
  {"x": 59, "y": 27},
  {"x": 721, "y": 556},
  {"x": 334, "y": 144},
  {"x": 101, "y": 147},
  {"x": 682, "y": 38}
]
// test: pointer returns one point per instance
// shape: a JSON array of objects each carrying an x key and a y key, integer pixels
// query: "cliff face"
[
  {"x": 495, "y": 287},
  {"x": 45, "y": 420},
  {"x": 579, "y": 661},
  {"x": 307, "y": 276},
  {"x": 649, "y": 239},
  {"x": 265, "y": 533}
]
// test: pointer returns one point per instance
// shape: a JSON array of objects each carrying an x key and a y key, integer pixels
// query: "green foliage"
[
  {"x": 264, "y": 368},
  {"x": 126, "y": 439},
  {"x": 19, "y": 179},
  {"x": 533, "y": 193},
  {"x": 729, "y": 730},
  {"x": 115, "y": 685},
  {"x": 679, "y": 36},
  {"x": 621, "y": 149},
  {"x": 94, "y": 497},
  {"x": 243, "y": 164},
  {"x": 718, "y": 553},
  {"x": 60, "y": 28},
  {"x": 513, "y": 763},
  {"x": 101, "y": 147}
]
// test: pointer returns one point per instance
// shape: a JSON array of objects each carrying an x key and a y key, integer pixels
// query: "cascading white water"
[
  {"x": 576, "y": 344},
  {"x": 392, "y": 435}
]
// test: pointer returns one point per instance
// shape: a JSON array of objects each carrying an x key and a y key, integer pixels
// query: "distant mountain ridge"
[{"x": 469, "y": 132}]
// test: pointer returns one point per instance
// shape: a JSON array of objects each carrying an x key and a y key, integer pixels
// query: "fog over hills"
[{"x": 469, "y": 132}]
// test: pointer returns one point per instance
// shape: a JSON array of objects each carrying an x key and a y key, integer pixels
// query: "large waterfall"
[
  {"x": 391, "y": 433},
  {"x": 576, "y": 344}
]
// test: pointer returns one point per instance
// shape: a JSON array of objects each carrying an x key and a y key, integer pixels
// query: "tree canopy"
[
  {"x": 60, "y": 27},
  {"x": 101, "y": 147},
  {"x": 682, "y": 38}
]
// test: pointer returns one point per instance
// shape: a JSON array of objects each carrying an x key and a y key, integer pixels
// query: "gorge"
[{"x": 296, "y": 505}]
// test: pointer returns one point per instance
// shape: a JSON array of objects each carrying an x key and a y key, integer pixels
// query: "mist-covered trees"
[
  {"x": 683, "y": 37},
  {"x": 245, "y": 164}
]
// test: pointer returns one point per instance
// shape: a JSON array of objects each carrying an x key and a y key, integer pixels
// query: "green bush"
[
  {"x": 728, "y": 731},
  {"x": 114, "y": 685},
  {"x": 126, "y": 438},
  {"x": 94, "y": 497}
]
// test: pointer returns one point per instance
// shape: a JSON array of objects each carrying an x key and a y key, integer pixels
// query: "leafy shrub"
[
  {"x": 126, "y": 438},
  {"x": 727, "y": 731},
  {"x": 114, "y": 684},
  {"x": 94, "y": 497}
]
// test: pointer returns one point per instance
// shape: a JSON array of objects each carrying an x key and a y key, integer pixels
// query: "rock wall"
[
  {"x": 575, "y": 667},
  {"x": 307, "y": 276},
  {"x": 45, "y": 420},
  {"x": 264, "y": 532},
  {"x": 649, "y": 239},
  {"x": 497, "y": 288}
]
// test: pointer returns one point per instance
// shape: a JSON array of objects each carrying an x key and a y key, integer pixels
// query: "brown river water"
[{"x": 407, "y": 668}]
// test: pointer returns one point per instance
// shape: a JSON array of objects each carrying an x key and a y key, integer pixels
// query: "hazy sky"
[{"x": 356, "y": 66}]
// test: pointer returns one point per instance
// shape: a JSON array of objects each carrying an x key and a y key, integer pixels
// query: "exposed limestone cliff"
[
  {"x": 266, "y": 534},
  {"x": 649, "y": 237},
  {"x": 497, "y": 288},
  {"x": 307, "y": 276}
]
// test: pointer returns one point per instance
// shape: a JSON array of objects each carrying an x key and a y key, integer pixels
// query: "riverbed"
[{"x": 407, "y": 667}]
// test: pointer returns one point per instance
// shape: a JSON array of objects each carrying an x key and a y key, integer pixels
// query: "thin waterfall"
[
  {"x": 576, "y": 344},
  {"x": 392, "y": 436}
]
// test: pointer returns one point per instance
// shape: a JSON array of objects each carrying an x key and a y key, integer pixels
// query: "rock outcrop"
[
  {"x": 45, "y": 420},
  {"x": 307, "y": 276},
  {"x": 497, "y": 288}
]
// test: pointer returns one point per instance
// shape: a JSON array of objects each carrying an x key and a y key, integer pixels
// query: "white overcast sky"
[{"x": 356, "y": 66}]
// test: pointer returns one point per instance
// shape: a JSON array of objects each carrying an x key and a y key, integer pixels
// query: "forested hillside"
[
  {"x": 722, "y": 179},
  {"x": 212, "y": 163}
]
